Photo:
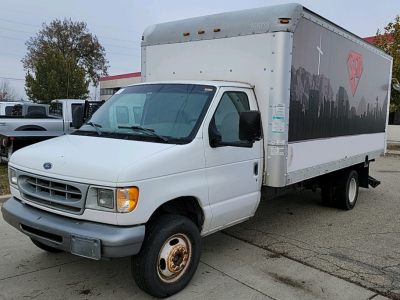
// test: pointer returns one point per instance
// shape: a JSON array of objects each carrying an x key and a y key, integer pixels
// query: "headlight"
[
  {"x": 12, "y": 175},
  {"x": 127, "y": 199},
  {"x": 105, "y": 198},
  {"x": 122, "y": 200}
]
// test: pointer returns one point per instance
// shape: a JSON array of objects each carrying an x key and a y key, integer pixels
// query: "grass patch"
[{"x": 4, "y": 184}]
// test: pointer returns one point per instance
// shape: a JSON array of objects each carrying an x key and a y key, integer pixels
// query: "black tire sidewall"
[
  {"x": 344, "y": 187},
  {"x": 157, "y": 233}
]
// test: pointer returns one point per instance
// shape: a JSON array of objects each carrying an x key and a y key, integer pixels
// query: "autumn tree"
[
  {"x": 389, "y": 41},
  {"x": 74, "y": 41},
  {"x": 56, "y": 77},
  {"x": 7, "y": 92}
]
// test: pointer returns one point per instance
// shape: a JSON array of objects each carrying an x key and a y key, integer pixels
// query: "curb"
[{"x": 4, "y": 198}]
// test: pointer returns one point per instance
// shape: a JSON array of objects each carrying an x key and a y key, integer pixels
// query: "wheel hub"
[
  {"x": 352, "y": 190},
  {"x": 177, "y": 258}
]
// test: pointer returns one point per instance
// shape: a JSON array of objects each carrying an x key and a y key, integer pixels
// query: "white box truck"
[{"x": 274, "y": 96}]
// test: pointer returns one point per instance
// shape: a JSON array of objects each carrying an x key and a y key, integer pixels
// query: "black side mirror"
[
  {"x": 77, "y": 117},
  {"x": 250, "y": 126}
]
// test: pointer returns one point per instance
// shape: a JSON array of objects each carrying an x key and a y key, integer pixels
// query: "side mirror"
[
  {"x": 250, "y": 126},
  {"x": 77, "y": 117}
]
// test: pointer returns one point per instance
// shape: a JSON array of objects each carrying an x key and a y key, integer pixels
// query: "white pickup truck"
[
  {"x": 32, "y": 123},
  {"x": 275, "y": 96}
]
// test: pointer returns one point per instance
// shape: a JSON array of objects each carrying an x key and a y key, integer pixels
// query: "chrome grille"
[{"x": 57, "y": 194}]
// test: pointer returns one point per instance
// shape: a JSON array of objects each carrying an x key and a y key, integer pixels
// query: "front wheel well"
[{"x": 186, "y": 206}]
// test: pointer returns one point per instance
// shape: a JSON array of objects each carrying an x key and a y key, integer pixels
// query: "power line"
[
  {"x": 8, "y": 78},
  {"x": 7, "y": 37},
  {"x": 117, "y": 39},
  {"x": 120, "y": 47},
  {"x": 126, "y": 69},
  {"x": 98, "y": 36},
  {"x": 10, "y": 54},
  {"x": 17, "y": 30},
  {"x": 124, "y": 54},
  {"x": 85, "y": 22},
  {"x": 20, "y": 23}
]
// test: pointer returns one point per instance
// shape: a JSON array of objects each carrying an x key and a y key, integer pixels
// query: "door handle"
[{"x": 255, "y": 170}]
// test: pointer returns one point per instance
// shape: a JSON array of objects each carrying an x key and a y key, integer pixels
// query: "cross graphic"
[{"x": 319, "y": 52}]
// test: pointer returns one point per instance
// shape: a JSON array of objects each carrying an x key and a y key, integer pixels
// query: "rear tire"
[
  {"x": 169, "y": 256},
  {"x": 347, "y": 190},
  {"x": 45, "y": 247}
]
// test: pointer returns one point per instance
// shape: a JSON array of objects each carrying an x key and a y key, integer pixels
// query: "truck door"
[{"x": 233, "y": 172}]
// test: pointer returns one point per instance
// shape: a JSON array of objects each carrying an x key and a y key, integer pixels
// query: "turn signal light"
[
  {"x": 127, "y": 199},
  {"x": 284, "y": 21}
]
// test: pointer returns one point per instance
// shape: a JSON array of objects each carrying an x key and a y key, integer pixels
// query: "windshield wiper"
[
  {"x": 147, "y": 130},
  {"x": 96, "y": 126}
]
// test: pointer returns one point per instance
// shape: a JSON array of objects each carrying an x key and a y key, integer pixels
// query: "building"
[
  {"x": 111, "y": 84},
  {"x": 370, "y": 39}
]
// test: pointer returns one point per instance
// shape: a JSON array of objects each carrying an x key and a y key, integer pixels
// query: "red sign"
[{"x": 354, "y": 68}]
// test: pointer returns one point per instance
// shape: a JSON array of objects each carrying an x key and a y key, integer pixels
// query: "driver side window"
[{"x": 227, "y": 115}]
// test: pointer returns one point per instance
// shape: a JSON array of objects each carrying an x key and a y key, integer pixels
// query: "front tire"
[
  {"x": 169, "y": 256},
  {"x": 347, "y": 190}
]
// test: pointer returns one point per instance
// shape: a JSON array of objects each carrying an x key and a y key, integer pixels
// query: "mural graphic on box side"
[{"x": 336, "y": 92}]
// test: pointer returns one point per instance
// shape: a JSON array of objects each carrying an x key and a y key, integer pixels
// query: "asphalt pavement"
[{"x": 229, "y": 269}]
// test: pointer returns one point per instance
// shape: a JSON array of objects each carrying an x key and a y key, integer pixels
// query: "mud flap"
[{"x": 373, "y": 182}]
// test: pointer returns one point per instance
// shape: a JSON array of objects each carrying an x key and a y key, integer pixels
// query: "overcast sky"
[{"x": 119, "y": 23}]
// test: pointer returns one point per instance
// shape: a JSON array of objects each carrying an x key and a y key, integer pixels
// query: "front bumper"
[{"x": 83, "y": 238}]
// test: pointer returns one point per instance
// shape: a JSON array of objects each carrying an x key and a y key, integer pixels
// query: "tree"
[
  {"x": 56, "y": 77},
  {"x": 72, "y": 40},
  {"x": 389, "y": 41},
  {"x": 7, "y": 93}
]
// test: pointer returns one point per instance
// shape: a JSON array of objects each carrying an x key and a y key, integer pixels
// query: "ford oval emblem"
[{"x": 47, "y": 166}]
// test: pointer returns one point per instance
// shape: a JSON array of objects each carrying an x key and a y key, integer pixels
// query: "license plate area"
[{"x": 86, "y": 247}]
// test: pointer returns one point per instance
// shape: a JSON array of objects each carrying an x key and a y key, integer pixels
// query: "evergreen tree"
[{"x": 56, "y": 77}]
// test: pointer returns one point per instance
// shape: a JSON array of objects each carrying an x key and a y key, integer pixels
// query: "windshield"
[{"x": 152, "y": 112}]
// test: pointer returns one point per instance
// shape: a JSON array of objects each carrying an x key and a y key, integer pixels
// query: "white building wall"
[{"x": 393, "y": 133}]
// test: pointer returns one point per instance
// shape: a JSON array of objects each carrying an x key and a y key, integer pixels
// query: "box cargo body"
[{"x": 322, "y": 91}]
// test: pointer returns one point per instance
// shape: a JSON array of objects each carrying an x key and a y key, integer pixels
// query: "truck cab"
[
  {"x": 30, "y": 110},
  {"x": 6, "y": 107}
]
